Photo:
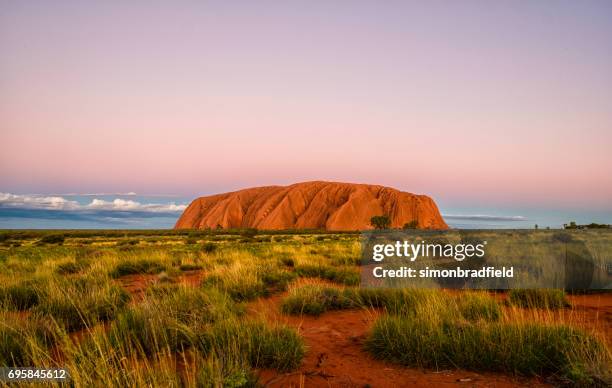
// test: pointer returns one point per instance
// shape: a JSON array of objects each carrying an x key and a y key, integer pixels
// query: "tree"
[
  {"x": 411, "y": 225},
  {"x": 380, "y": 222}
]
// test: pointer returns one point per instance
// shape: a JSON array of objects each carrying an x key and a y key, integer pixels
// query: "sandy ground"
[{"x": 335, "y": 356}]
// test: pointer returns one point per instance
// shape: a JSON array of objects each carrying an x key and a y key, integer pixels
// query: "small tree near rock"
[{"x": 380, "y": 222}]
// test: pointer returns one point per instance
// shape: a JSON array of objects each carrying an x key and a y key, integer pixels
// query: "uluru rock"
[{"x": 311, "y": 205}]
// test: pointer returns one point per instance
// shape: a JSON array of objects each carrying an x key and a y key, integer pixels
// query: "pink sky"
[{"x": 505, "y": 102}]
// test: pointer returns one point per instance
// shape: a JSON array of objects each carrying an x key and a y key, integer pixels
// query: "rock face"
[{"x": 311, "y": 205}]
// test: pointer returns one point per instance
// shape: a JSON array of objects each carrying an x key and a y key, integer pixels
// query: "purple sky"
[{"x": 497, "y": 102}]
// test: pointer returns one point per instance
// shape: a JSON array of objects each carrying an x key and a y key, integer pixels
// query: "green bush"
[{"x": 53, "y": 239}]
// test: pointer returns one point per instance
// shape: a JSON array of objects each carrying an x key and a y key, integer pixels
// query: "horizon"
[{"x": 476, "y": 104}]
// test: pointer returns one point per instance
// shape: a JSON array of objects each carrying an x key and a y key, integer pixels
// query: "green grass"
[
  {"x": 538, "y": 298},
  {"x": 263, "y": 345},
  {"x": 344, "y": 275},
  {"x": 173, "y": 333},
  {"x": 139, "y": 266},
  {"x": 23, "y": 341},
  {"x": 21, "y": 295},
  {"x": 82, "y": 302},
  {"x": 527, "y": 348},
  {"x": 315, "y": 300}
]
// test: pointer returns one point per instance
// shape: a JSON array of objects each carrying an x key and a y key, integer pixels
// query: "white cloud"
[
  {"x": 483, "y": 217},
  {"x": 37, "y": 202},
  {"x": 60, "y": 203},
  {"x": 119, "y": 204}
]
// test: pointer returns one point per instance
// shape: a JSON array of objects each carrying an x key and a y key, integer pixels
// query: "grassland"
[{"x": 169, "y": 308}]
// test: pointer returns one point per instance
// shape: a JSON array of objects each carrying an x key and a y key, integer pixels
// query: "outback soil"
[
  {"x": 311, "y": 205},
  {"x": 335, "y": 356}
]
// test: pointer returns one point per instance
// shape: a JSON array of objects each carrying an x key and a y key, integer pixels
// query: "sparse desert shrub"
[
  {"x": 526, "y": 348},
  {"x": 538, "y": 298},
  {"x": 137, "y": 266}
]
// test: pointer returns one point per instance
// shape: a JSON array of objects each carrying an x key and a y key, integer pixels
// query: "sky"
[{"x": 475, "y": 103}]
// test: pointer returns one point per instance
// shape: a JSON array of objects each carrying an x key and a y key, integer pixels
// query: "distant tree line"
[{"x": 592, "y": 225}]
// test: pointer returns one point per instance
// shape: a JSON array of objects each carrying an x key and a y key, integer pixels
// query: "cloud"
[
  {"x": 119, "y": 204},
  {"x": 483, "y": 217},
  {"x": 36, "y": 202},
  {"x": 59, "y": 203}
]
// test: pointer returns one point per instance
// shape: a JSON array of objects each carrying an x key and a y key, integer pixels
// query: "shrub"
[
  {"x": 538, "y": 298},
  {"x": 411, "y": 225},
  {"x": 53, "y": 239},
  {"x": 380, "y": 222}
]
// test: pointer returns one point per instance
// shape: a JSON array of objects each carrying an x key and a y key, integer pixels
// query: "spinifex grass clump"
[
  {"x": 539, "y": 298},
  {"x": 474, "y": 306},
  {"x": 315, "y": 299},
  {"x": 344, "y": 275},
  {"x": 137, "y": 266},
  {"x": 169, "y": 319},
  {"x": 249, "y": 278},
  {"x": 25, "y": 341},
  {"x": 261, "y": 344},
  {"x": 77, "y": 303},
  {"x": 21, "y": 295},
  {"x": 526, "y": 348},
  {"x": 468, "y": 332}
]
